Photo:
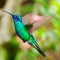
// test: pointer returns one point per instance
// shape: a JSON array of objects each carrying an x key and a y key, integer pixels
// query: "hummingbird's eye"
[{"x": 16, "y": 17}]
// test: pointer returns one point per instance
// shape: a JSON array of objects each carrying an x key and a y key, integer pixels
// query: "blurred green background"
[{"x": 47, "y": 36}]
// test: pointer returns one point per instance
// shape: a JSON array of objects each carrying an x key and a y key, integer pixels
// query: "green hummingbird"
[{"x": 22, "y": 32}]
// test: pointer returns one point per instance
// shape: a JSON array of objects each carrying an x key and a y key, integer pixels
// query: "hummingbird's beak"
[{"x": 7, "y": 12}]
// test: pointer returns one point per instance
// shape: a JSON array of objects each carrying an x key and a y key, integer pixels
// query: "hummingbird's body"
[{"x": 22, "y": 32}]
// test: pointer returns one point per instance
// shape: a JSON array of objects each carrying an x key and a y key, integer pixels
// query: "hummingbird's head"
[{"x": 15, "y": 17}]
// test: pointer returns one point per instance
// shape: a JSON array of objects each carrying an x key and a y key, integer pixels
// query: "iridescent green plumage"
[{"x": 22, "y": 32}]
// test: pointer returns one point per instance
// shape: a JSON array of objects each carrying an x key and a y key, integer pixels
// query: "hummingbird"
[{"x": 22, "y": 32}]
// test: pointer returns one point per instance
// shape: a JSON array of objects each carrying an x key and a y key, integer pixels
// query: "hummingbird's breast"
[{"x": 21, "y": 31}]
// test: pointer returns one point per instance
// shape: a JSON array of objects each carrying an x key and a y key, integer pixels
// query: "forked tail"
[{"x": 38, "y": 49}]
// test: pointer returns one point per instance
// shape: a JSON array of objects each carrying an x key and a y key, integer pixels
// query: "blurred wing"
[{"x": 29, "y": 26}]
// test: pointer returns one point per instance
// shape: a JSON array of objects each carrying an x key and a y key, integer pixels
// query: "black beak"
[{"x": 7, "y": 12}]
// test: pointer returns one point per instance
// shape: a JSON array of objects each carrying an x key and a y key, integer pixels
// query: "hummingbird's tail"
[
  {"x": 39, "y": 50},
  {"x": 35, "y": 45}
]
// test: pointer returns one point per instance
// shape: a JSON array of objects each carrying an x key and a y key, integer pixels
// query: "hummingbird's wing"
[{"x": 28, "y": 26}]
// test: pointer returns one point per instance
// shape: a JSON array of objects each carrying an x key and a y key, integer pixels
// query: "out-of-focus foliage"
[
  {"x": 26, "y": 8},
  {"x": 3, "y": 53},
  {"x": 48, "y": 36},
  {"x": 12, "y": 47}
]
